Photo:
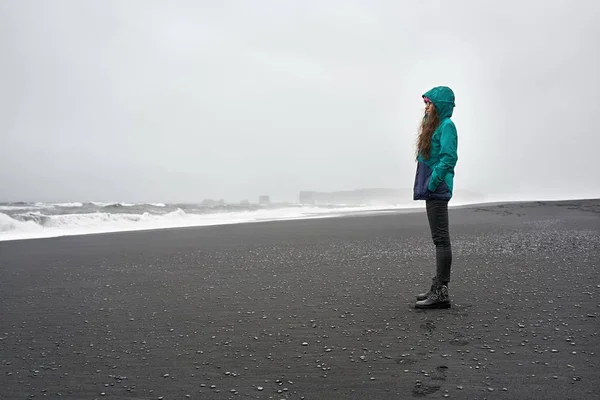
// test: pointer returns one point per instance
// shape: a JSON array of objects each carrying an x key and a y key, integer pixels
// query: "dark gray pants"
[{"x": 437, "y": 213}]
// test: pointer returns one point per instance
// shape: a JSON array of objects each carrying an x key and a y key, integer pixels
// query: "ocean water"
[{"x": 42, "y": 220}]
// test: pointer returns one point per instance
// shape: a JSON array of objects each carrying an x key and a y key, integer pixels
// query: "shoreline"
[{"x": 419, "y": 207}]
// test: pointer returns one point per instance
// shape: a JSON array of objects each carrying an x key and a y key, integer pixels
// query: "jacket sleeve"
[{"x": 448, "y": 156}]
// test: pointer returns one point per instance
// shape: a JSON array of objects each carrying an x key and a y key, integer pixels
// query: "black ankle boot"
[
  {"x": 423, "y": 296},
  {"x": 439, "y": 298}
]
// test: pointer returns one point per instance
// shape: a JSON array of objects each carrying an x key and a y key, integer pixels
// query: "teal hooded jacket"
[{"x": 434, "y": 177}]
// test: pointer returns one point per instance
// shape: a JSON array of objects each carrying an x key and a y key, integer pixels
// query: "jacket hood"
[{"x": 442, "y": 98}]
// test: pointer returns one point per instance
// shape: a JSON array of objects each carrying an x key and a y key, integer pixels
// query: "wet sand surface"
[{"x": 309, "y": 309}]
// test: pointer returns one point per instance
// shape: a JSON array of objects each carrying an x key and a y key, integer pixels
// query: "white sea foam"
[
  {"x": 10, "y": 226},
  {"x": 100, "y": 204},
  {"x": 68, "y": 205},
  {"x": 19, "y": 208},
  {"x": 40, "y": 225}
]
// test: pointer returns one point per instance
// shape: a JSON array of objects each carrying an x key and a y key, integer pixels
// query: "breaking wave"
[{"x": 30, "y": 222}]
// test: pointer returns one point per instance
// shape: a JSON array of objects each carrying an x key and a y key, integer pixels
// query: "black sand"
[{"x": 314, "y": 309}]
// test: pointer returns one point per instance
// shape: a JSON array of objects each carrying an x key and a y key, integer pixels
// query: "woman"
[{"x": 437, "y": 145}]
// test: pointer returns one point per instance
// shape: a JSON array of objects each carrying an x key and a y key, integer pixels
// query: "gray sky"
[{"x": 144, "y": 100}]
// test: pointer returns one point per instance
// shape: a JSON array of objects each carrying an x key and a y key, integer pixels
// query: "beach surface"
[{"x": 309, "y": 309}]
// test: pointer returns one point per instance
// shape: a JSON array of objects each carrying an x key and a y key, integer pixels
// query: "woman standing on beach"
[{"x": 437, "y": 145}]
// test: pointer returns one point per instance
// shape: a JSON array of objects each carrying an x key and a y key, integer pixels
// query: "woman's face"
[{"x": 428, "y": 105}]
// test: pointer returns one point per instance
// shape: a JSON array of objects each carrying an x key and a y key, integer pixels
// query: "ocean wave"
[
  {"x": 117, "y": 205},
  {"x": 122, "y": 204},
  {"x": 68, "y": 205},
  {"x": 18, "y": 208},
  {"x": 75, "y": 204},
  {"x": 10, "y": 226},
  {"x": 36, "y": 224},
  {"x": 99, "y": 203}
]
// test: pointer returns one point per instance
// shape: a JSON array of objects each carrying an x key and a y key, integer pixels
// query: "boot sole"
[{"x": 433, "y": 306}]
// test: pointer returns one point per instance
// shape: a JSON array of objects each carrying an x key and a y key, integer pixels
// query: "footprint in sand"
[
  {"x": 422, "y": 389},
  {"x": 440, "y": 374},
  {"x": 428, "y": 327}
]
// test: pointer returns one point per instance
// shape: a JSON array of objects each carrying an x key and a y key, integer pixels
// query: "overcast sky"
[{"x": 144, "y": 100}]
